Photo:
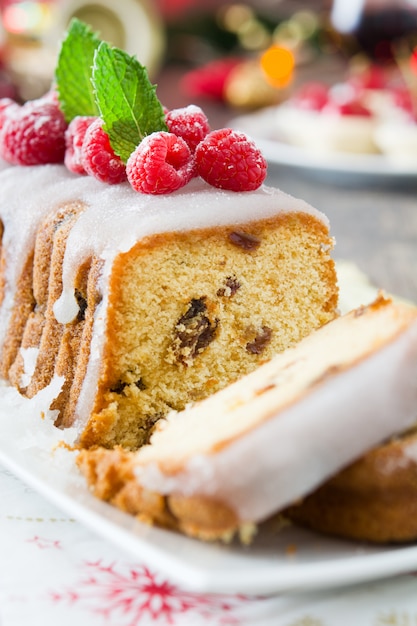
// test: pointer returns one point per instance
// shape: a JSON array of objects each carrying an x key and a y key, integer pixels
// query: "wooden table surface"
[{"x": 375, "y": 225}]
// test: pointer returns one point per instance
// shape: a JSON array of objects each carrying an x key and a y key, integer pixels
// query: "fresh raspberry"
[
  {"x": 98, "y": 157},
  {"x": 33, "y": 134},
  {"x": 161, "y": 163},
  {"x": 230, "y": 160},
  {"x": 74, "y": 137},
  {"x": 190, "y": 123}
]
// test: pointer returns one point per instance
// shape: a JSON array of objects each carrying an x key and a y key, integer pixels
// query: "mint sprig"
[
  {"x": 73, "y": 71},
  {"x": 95, "y": 79},
  {"x": 126, "y": 99}
]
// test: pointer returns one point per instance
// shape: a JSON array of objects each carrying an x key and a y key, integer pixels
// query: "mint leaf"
[
  {"x": 73, "y": 71},
  {"x": 126, "y": 99}
]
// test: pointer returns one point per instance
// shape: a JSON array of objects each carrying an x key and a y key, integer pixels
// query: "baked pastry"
[
  {"x": 326, "y": 120},
  {"x": 374, "y": 499},
  {"x": 135, "y": 305},
  {"x": 269, "y": 439},
  {"x": 397, "y": 139},
  {"x": 370, "y": 112}
]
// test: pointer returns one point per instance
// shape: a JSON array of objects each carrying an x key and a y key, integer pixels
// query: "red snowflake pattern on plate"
[
  {"x": 45, "y": 544},
  {"x": 133, "y": 594}
]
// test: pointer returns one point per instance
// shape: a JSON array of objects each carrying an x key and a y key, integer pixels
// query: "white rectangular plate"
[{"x": 280, "y": 559}]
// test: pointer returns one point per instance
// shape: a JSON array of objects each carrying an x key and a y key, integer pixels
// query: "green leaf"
[
  {"x": 73, "y": 71},
  {"x": 126, "y": 99}
]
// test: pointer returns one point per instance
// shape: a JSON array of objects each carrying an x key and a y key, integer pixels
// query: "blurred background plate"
[{"x": 361, "y": 168}]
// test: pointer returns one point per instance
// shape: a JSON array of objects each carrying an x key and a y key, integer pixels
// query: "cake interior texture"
[
  {"x": 174, "y": 317},
  {"x": 193, "y": 311}
]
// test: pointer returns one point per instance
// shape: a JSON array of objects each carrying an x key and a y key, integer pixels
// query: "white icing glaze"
[
  {"x": 117, "y": 217},
  {"x": 29, "y": 357},
  {"x": 259, "y": 452}
]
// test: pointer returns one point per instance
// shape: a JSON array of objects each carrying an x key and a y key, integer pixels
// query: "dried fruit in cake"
[
  {"x": 98, "y": 157},
  {"x": 162, "y": 163},
  {"x": 33, "y": 134},
  {"x": 230, "y": 160}
]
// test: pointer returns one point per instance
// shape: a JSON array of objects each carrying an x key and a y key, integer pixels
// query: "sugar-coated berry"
[
  {"x": 98, "y": 157},
  {"x": 161, "y": 163},
  {"x": 228, "y": 159},
  {"x": 74, "y": 138},
  {"x": 190, "y": 123},
  {"x": 33, "y": 134}
]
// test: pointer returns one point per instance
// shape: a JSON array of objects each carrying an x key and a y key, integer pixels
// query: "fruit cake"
[
  {"x": 266, "y": 441},
  {"x": 144, "y": 303}
]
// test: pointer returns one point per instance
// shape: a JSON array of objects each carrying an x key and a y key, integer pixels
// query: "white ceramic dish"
[
  {"x": 261, "y": 127},
  {"x": 289, "y": 559},
  {"x": 280, "y": 559}
]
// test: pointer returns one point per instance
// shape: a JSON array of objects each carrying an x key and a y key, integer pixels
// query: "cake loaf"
[
  {"x": 271, "y": 438},
  {"x": 134, "y": 305}
]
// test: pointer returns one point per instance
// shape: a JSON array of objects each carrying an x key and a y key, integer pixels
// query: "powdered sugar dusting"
[
  {"x": 31, "y": 420},
  {"x": 29, "y": 357}
]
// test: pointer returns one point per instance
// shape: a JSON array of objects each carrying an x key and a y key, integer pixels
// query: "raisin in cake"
[
  {"x": 137, "y": 305},
  {"x": 269, "y": 439}
]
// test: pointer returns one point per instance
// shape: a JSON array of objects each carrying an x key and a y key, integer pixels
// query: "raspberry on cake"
[
  {"x": 230, "y": 160},
  {"x": 161, "y": 163},
  {"x": 190, "y": 123},
  {"x": 33, "y": 134},
  {"x": 74, "y": 137},
  {"x": 98, "y": 157}
]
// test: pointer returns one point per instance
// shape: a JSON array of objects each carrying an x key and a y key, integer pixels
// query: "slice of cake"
[
  {"x": 141, "y": 304},
  {"x": 269, "y": 439}
]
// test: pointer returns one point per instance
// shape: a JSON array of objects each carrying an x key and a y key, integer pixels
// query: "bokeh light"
[{"x": 277, "y": 63}]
